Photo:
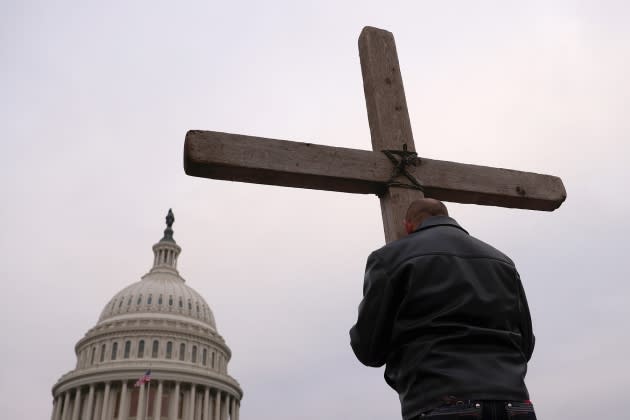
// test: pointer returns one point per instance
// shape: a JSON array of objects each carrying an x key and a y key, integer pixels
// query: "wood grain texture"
[
  {"x": 388, "y": 116},
  {"x": 385, "y": 100},
  {"x": 258, "y": 160}
]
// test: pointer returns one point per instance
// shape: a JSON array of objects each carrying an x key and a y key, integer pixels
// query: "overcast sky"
[{"x": 95, "y": 100}]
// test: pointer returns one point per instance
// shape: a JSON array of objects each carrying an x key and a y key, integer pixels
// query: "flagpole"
[{"x": 146, "y": 409}]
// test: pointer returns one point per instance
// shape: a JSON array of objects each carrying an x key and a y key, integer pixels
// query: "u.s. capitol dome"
[{"x": 159, "y": 324}]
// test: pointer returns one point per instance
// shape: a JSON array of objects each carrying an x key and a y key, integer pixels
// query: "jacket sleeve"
[
  {"x": 370, "y": 337},
  {"x": 529, "y": 340}
]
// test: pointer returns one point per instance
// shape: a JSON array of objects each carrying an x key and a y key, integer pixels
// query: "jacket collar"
[{"x": 434, "y": 221}]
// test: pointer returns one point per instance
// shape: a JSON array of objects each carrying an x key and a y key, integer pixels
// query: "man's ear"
[{"x": 409, "y": 227}]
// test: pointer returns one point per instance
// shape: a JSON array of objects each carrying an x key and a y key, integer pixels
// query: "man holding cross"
[
  {"x": 394, "y": 172},
  {"x": 448, "y": 316}
]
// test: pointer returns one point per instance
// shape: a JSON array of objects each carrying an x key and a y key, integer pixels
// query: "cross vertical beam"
[{"x": 388, "y": 116}]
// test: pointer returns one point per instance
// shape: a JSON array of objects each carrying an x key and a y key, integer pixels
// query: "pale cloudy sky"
[{"x": 95, "y": 100}]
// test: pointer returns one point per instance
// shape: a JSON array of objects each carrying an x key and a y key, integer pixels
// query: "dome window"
[
  {"x": 181, "y": 303},
  {"x": 149, "y": 299},
  {"x": 204, "y": 357},
  {"x": 103, "y": 353},
  {"x": 169, "y": 349},
  {"x": 139, "y": 300},
  {"x": 189, "y": 306},
  {"x": 154, "y": 350},
  {"x": 120, "y": 303},
  {"x": 127, "y": 349},
  {"x": 212, "y": 365},
  {"x": 182, "y": 351},
  {"x": 197, "y": 308},
  {"x": 129, "y": 301},
  {"x": 93, "y": 355},
  {"x": 140, "y": 349},
  {"x": 114, "y": 350},
  {"x": 194, "y": 354},
  {"x": 160, "y": 300},
  {"x": 170, "y": 300}
]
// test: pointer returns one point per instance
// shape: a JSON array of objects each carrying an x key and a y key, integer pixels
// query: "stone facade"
[{"x": 161, "y": 324}]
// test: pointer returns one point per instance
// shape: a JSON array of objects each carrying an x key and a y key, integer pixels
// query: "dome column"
[
  {"x": 113, "y": 397},
  {"x": 198, "y": 406},
  {"x": 98, "y": 405},
  {"x": 191, "y": 403},
  {"x": 224, "y": 406},
  {"x": 141, "y": 404},
  {"x": 174, "y": 404},
  {"x": 90, "y": 404},
  {"x": 58, "y": 404},
  {"x": 77, "y": 404},
  {"x": 123, "y": 410},
  {"x": 105, "y": 407},
  {"x": 206, "y": 404},
  {"x": 217, "y": 405},
  {"x": 157, "y": 402},
  {"x": 65, "y": 413}
]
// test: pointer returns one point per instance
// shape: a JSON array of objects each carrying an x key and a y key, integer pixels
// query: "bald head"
[{"x": 420, "y": 210}]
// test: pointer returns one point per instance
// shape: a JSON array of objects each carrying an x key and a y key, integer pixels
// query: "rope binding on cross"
[{"x": 402, "y": 159}]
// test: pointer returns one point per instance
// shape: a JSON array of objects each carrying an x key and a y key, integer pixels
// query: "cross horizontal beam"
[{"x": 234, "y": 157}]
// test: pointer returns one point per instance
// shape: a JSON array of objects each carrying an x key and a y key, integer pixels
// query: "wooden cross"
[{"x": 257, "y": 160}]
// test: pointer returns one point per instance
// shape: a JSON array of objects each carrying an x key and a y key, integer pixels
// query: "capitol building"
[{"x": 159, "y": 324}]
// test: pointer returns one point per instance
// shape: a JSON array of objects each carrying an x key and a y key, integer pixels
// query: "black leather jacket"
[{"x": 448, "y": 316}]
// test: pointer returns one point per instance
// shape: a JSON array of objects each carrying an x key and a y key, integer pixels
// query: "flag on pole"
[{"x": 144, "y": 378}]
